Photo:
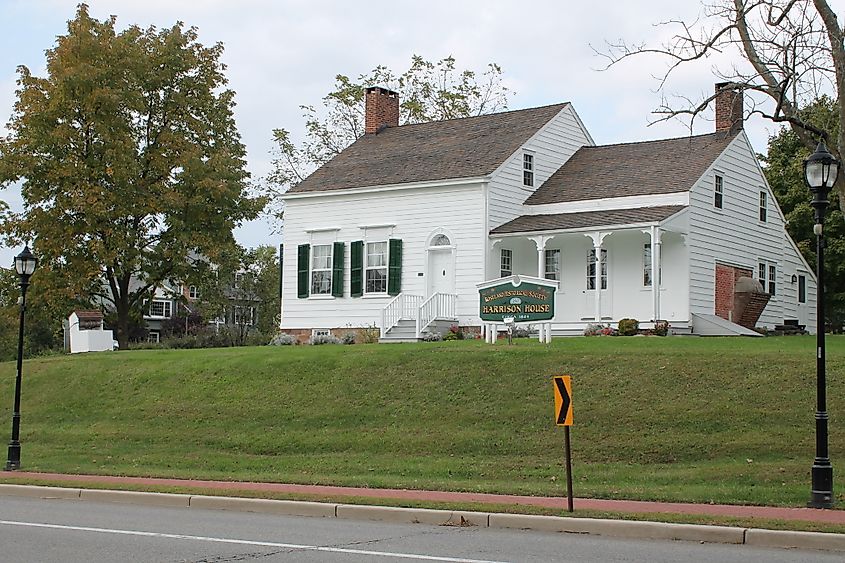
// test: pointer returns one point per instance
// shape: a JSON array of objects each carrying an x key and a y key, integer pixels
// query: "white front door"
[{"x": 441, "y": 272}]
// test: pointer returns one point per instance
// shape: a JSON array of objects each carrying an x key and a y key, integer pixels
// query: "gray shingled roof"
[
  {"x": 438, "y": 150},
  {"x": 585, "y": 219},
  {"x": 630, "y": 169}
]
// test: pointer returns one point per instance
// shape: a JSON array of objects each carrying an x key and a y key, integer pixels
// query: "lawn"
[{"x": 727, "y": 420}]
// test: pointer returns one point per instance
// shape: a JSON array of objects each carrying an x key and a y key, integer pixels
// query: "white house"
[{"x": 398, "y": 229}]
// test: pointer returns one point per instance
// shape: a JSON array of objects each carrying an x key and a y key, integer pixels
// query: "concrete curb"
[{"x": 604, "y": 527}]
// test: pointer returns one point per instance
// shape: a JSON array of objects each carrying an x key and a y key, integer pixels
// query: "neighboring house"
[
  {"x": 240, "y": 309},
  {"x": 399, "y": 229}
]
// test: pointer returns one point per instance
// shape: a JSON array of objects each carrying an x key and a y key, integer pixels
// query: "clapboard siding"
[
  {"x": 416, "y": 214},
  {"x": 552, "y": 146},
  {"x": 735, "y": 235}
]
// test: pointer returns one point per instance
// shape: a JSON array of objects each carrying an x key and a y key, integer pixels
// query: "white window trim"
[
  {"x": 769, "y": 265},
  {"x": 648, "y": 269},
  {"x": 502, "y": 262},
  {"x": 238, "y": 308},
  {"x": 312, "y": 270},
  {"x": 320, "y": 332},
  {"x": 763, "y": 206},
  {"x": 603, "y": 274},
  {"x": 386, "y": 267},
  {"x": 559, "y": 260},
  {"x": 798, "y": 276},
  {"x": 533, "y": 170},
  {"x": 193, "y": 292},
  {"x": 719, "y": 188},
  {"x": 167, "y": 309},
  {"x": 154, "y": 333}
]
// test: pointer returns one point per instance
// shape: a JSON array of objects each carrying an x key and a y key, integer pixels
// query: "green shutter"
[
  {"x": 356, "y": 269},
  {"x": 302, "y": 270},
  {"x": 394, "y": 270},
  {"x": 337, "y": 269}
]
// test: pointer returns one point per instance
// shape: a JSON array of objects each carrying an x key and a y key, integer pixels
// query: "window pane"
[
  {"x": 321, "y": 282},
  {"x": 647, "y": 265},
  {"x": 802, "y": 289},
  {"x": 376, "y": 254},
  {"x": 772, "y": 278},
  {"x": 321, "y": 257},
  {"x": 377, "y": 280},
  {"x": 591, "y": 269},
  {"x": 552, "y": 265},
  {"x": 506, "y": 263},
  {"x": 440, "y": 240}
]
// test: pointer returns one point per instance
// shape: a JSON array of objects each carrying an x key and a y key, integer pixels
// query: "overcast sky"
[{"x": 284, "y": 53}]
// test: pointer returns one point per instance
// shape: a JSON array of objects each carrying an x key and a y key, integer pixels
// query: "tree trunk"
[{"x": 122, "y": 307}]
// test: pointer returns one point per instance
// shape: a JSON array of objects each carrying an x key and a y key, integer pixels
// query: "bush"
[
  {"x": 661, "y": 328},
  {"x": 432, "y": 337},
  {"x": 348, "y": 338},
  {"x": 522, "y": 331},
  {"x": 282, "y": 339},
  {"x": 323, "y": 339},
  {"x": 628, "y": 327},
  {"x": 369, "y": 333},
  {"x": 455, "y": 333},
  {"x": 600, "y": 330}
]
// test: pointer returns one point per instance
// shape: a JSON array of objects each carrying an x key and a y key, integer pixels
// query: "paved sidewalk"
[{"x": 805, "y": 514}]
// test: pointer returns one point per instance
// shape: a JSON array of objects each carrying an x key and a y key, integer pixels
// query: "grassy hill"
[{"x": 684, "y": 419}]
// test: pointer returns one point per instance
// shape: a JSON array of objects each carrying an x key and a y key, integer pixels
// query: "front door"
[
  {"x": 803, "y": 308},
  {"x": 441, "y": 274}
]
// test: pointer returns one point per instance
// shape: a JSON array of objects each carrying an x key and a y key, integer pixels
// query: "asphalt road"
[{"x": 65, "y": 531}]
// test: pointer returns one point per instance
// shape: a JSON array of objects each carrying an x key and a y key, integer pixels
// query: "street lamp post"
[
  {"x": 25, "y": 264},
  {"x": 820, "y": 171}
]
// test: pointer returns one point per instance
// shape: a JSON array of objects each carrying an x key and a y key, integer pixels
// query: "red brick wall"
[
  {"x": 729, "y": 108},
  {"x": 726, "y": 278},
  {"x": 382, "y": 108}
]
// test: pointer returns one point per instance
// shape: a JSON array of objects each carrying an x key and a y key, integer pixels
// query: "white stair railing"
[
  {"x": 438, "y": 306},
  {"x": 403, "y": 306}
]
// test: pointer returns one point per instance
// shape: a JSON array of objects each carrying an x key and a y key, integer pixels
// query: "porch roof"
[
  {"x": 632, "y": 169},
  {"x": 587, "y": 219}
]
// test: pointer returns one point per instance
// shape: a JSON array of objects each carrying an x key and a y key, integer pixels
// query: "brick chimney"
[
  {"x": 729, "y": 107},
  {"x": 382, "y": 109}
]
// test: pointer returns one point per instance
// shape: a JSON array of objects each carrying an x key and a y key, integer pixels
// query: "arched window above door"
[{"x": 440, "y": 240}]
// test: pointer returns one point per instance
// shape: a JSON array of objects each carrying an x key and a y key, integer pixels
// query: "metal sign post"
[{"x": 562, "y": 385}]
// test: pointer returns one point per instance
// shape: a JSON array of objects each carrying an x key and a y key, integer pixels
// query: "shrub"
[
  {"x": 661, "y": 328},
  {"x": 323, "y": 339},
  {"x": 455, "y": 330},
  {"x": 593, "y": 329},
  {"x": 431, "y": 337},
  {"x": 522, "y": 331},
  {"x": 369, "y": 333},
  {"x": 282, "y": 339},
  {"x": 628, "y": 327},
  {"x": 348, "y": 338}
]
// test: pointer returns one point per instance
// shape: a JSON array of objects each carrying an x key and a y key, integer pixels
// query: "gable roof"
[
  {"x": 438, "y": 150},
  {"x": 631, "y": 169},
  {"x": 586, "y": 219}
]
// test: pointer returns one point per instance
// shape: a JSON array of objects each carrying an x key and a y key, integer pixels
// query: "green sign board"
[{"x": 525, "y": 302}]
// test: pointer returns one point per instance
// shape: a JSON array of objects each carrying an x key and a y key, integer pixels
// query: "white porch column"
[
  {"x": 490, "y": 260},
  {"x": 655, "y": 233},
  {"x": 541, "y": 241},
  {"x": 598, "y": 240}
]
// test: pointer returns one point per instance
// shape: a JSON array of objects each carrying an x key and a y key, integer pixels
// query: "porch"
[{"x": 605, "y": 273}]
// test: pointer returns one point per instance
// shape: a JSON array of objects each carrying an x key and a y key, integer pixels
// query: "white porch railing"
[
  {"x": 414, "y": 307},
  {"x": 438, "y": 306},
  {"x": 403, "y": 306}
]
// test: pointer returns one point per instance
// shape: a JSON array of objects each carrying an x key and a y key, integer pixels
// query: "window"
[
  {"x": 239, "y": 276},
  {"x": 242, "y": 315},
  {"x": 440, "y": 240},
  {"x": 718, "y": 192},
  {"x": 320, "y": 332},
  {"x": 552, "y": 265},
  {"x": 321, "y": 269},
  {"x": 528, "y": 170},
  {"x": 763, "y": 206},
  {"x": 153, "y": 336},
  {"x": 767, "y": 276},
  {"x": 193, "y": 292},
  {"x": 376, "y": 268},
  {"x": 160, "y": 308},
  {"x": 506, "y": 263},
  {"x": 647, "y": 265},
  {"x": 802, "y": 288},
  {"x": 591, "y": 269}
]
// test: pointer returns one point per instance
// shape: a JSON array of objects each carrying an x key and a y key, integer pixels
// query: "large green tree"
[
  {"x": 427, "y": 92},
  {"x": 129, "y": 159},
  {"x": 784, "y": 168}
]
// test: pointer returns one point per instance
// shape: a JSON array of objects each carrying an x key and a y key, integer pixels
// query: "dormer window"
[{"x": 528, "y": 170}]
